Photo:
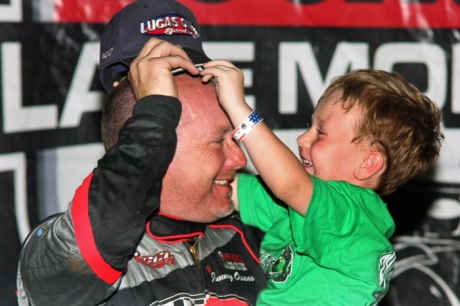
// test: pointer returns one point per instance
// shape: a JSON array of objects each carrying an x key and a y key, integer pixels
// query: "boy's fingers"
[
  {"x": 206, "y": 78},
  {"x": 218, "y": 71},
  {"x": 219, "y": 63},
  {"x": 209, "y": 77}
]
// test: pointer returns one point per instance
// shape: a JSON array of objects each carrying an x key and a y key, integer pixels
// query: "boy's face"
[{"x": 326, "y": 149}]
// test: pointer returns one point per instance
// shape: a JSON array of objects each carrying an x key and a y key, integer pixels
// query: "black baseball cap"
[{"x": 126, "y": 33}]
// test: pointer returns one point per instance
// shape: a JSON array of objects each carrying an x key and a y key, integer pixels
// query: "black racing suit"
[{"x": 112, "y": 247}]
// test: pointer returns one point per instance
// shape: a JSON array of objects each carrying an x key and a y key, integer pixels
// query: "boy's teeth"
[
  {"x": 306, "y": 162},
  {"x": 221, "y": 182}
]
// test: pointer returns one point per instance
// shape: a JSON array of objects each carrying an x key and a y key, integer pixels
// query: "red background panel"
[{"x": 387, "y": 14}]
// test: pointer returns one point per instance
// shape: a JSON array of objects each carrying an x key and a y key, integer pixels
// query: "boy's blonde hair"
[{"x": 397, "y": 120}]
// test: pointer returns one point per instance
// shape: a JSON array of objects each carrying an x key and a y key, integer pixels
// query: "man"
[{"x": 116, "y": 244}]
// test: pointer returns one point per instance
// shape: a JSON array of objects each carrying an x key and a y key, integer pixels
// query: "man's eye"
[{"x": 320, "y": 132}]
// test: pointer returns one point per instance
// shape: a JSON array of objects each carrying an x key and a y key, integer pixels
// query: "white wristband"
[{"x": 245, "y": 127}]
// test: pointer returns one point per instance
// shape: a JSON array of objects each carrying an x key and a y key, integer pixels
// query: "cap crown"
[{"x": 129, "y": 29}]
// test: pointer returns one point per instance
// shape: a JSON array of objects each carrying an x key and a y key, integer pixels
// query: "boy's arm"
[
  {"x": 275, "y": 162},
  {"x": 234, "y": 197}
]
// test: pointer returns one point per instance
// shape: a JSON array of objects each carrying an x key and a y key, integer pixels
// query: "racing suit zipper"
[{"x": 193, "y": 248}]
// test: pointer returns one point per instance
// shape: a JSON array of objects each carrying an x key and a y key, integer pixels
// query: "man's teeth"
[
  {"x": 306, "y": 162},
  {"x": 221, "y": 182}
]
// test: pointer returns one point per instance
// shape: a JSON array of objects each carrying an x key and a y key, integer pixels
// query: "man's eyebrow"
[
  {"x": 227, "y": 130},
  {"x": 220, "y": 132}
]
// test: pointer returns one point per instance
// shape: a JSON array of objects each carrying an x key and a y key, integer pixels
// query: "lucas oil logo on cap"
[{"x": 173, "y": 24}]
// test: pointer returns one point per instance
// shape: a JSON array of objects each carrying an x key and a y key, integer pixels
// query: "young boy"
[{"x": 371, "y": 132}]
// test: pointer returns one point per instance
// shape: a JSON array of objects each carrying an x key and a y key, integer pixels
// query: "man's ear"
[
  {"x": 116, "y": 83},
  {"x": 372, "y": 164}
]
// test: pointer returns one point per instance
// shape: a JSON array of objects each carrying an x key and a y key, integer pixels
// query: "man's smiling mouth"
[{"x": 221, "y": 182}]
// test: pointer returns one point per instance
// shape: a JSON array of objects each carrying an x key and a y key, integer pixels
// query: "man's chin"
[
  {"x": 225, "y": 214},
  {"x": 210, "y": 211},
  {"x": 222, "y": 213}
]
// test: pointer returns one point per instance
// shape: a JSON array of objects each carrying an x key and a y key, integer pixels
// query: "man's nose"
[{"x": 234, "y": 156}]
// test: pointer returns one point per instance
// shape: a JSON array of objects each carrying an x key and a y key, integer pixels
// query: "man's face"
[
  {"x": 195, "y": 186},
  {"x": 326, "y": 149}
]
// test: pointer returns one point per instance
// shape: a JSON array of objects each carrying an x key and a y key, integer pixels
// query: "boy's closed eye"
[{"x": 320, "y": 131}]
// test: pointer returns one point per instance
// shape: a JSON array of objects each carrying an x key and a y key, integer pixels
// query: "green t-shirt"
[{"x": 338, "y": 254}]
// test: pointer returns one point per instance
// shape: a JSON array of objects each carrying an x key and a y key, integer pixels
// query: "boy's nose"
[{"x": 304, "y": 140}]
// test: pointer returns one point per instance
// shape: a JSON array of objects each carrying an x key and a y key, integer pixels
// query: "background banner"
[{"x": 289, "y": 50}]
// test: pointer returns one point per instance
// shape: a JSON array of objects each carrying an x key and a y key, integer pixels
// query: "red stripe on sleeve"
[{"x": 85, "y": 238}]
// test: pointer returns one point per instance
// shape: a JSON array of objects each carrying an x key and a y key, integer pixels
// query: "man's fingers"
[
  {"x": 172, "y": 57},
  {"x": 155, "y": 47},
  {"x": 168, "y": 63},
  {"x": 152, "y": 75}
]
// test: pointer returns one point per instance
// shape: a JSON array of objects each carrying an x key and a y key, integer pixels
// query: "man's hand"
[{"x": 150, "y": 72}]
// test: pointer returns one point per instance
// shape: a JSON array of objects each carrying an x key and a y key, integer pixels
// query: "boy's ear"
[{"x": 372, "y": 164}]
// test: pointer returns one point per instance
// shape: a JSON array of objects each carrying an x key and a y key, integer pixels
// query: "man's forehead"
[
  {"x": 201, "y": 128},
  {"x": 197, "y": 97},
  {"x": 206, "y": 115},
  {"x": 192, "y": 88},
  {"x": 186, "y": 81}
]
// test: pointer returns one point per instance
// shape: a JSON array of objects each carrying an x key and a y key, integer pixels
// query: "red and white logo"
[
  {"x": 172, "y": 24},
  {"x": 158, "y": 260},
  {"x": 233, "y": 261}
]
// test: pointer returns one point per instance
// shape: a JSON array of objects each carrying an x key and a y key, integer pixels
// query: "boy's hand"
[
  {"x": 150, "y": 73},
  {"x": 230, "y": 82}
]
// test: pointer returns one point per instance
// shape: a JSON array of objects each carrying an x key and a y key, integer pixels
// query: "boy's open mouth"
[{"x": 306, "y": 162}]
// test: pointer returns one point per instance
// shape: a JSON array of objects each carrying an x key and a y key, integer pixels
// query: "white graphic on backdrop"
[
  {"x": 235, "y": 51},
  {"x": 17, "y": 118},
  {"x": 16, "y": 162},
  {"x": 11, "y": 12}
]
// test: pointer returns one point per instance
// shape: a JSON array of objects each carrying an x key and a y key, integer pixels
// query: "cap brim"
[
  {"x": 195, "y": 56},
  {"x": 116, "y": 72}
]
